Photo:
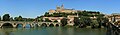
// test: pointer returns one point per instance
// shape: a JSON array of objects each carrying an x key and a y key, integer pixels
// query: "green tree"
[
  {"x": 55, "y": 21},
  {"x": 47, "y": 20},
  {"x": 85, "y": 20},
  {"x": 18, "y": 18},
  {"x": 76, "y": 21},
  {"x": 11, "y": 19},
  {"x": 39, "y": 18},
  {"x": 6, "y": 17},
  {"x": 64, "y": 21},
  {"x": 102, "y": 21}
]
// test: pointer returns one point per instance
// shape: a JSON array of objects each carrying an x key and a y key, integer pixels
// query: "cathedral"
[{"x": 61, "y": 9}]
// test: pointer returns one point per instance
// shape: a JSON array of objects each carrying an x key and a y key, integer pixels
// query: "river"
[{"x": 52, "y": 31}]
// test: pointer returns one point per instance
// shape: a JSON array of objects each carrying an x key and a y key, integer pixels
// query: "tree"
[
  {"x": 85, "y": 20},
  {"x": 39, "y": 18},
  {"x": 76, "y": 21},
  {"x": 64, "y": 21},
  {"x": 6, "y": 17},
  {"x": 47, "y": 20},
  {"x": 102, "y": 21},
  {"x": 11, "y": 19},
  {"x": 18, "y": 18},
  {"x": 99, "y": 19},
  {"x": 55, "y": 21}
]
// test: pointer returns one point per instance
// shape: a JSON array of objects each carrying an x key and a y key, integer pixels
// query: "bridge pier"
[
  {"x": 1, "y": 25},
  {"x": 47, "y": 25},
  {"x": 54, "y": 25},
  {"x": 39, "y": 25},
  {"x": 14, "y": 25},
  {"x": 32, "y": 25},
  {"x": 23, "y": 25},
  {"x": 59, "y": 25}
]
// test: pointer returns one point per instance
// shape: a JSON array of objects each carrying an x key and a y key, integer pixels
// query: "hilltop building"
[{"x": 61, "y": 9}]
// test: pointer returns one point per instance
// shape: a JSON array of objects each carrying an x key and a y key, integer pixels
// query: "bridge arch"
[
  {"x": 19, "y": 25},
  {"x": 57, "y": 25},
  {"x": 44, "y": 24},
  {"x": 9, "y": 25},
  {"x": 51, "y": 25}
]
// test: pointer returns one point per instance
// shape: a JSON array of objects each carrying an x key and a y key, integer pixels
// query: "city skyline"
[{"x": 34, "y": 8}]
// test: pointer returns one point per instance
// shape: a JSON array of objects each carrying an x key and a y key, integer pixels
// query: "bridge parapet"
[{"x": 15, "y": 23}]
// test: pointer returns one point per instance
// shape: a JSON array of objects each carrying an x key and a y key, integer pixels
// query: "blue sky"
[{"x": 34, "y": 8}]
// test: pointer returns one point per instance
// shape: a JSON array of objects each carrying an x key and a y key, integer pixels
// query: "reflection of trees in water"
[
  {"x": 112, "y": 30},
  {"x": 8, "y": 33}
]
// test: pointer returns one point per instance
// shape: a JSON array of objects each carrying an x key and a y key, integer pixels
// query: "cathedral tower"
[{"x": 62, "y": 7}]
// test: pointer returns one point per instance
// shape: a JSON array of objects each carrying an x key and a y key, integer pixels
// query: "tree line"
[{"x": 7, "y": 17}]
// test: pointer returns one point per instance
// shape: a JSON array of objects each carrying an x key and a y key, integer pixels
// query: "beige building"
[
  {"x": 113, "y": 17},
  {"x": 71, "y": 19},
  {"x": 61, "y": 9},
  {"x": 54, "y": 18}
]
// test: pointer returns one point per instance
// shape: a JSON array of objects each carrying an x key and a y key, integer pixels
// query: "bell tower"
[
  {"x": 62, "y": 7},
  {"x": 58, "y": 8}
]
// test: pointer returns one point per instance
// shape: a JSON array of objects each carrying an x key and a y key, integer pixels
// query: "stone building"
[
  {"x": 113, "y": 17},
  {"x": 61, "y": 9},
  {"x": 54, "y": 18},
  {"x": 71, "y": 19}
]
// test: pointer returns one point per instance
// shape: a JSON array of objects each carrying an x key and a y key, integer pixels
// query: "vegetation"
[
  {"x": 18, "y": 18},
  {"x": 64, "y": 21},
  {"x": 102, "y": 21},
  {"x": 85, "y": 20},
  {"x": 11, "y": 19},
  {"x": 55, "y": 21},
  {"x": 83, "y": 13},
  {"x": 6, "y": 17},
  {"x": 39, "y": 19},
  {"x": 76, "y": 21},
  {"x": 47, "y": 20}
]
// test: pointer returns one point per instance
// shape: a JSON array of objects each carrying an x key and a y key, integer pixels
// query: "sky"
[{"x": 34, "y": 8}]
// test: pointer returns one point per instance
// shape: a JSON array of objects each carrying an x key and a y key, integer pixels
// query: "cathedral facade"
[{"x": 61, "y": 9}]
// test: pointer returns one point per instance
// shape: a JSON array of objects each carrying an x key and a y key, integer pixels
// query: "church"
[{"x": 61, "y": 9}]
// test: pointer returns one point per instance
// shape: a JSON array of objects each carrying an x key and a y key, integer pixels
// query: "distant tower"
[
  {"x": 62, "y": 7},
  {"x": 58, "y": 8}
]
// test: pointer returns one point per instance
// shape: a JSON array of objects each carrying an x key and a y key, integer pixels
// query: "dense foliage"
[
  {"x": 6, "y": 17},
  {"x": 18, "y": 18},
  {"x": 64, "y": 21}
]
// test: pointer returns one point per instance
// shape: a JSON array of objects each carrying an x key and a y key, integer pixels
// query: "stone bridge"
[{"x": 32, "y": 24}]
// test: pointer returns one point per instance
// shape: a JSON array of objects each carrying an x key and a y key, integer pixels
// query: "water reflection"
[
  {"x": 6, "y": 31},
  {"x": 53, "y": 31}
]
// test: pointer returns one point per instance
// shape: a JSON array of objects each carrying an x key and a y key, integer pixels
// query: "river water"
[{"x": 52, "y": 31}]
